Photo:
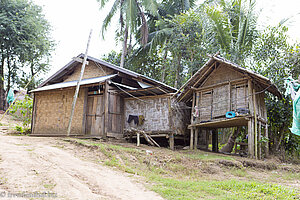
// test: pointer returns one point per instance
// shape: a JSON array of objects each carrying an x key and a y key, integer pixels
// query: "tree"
[
  {"x": 276, "y": 59},
  {"x": 24, "y": 43},
  {"x": 132, "y": 18},
  {"x": 232, "y": 27}
]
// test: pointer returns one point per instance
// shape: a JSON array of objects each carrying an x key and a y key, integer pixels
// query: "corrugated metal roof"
[
  {"x": 72, "y": 63},
  {"x": 74, "y": 83}
]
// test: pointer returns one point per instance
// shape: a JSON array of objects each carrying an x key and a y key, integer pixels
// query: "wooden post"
[
  {"x": 138, "y": 139},
  {"x": 106, "y": 107},
  {"x": 207, "y": 138},
  {"x": 215, "y": 141},
  {"x": 259, "y": 144},
  {"x": 267, "y": 143},
  {"x": 78, "y": 85},
  {"x": 251, "y": 121},
  {"x": 196, "y": 138},
  {"x": 192, "y": 138},
  {"x": 171, "y": 141},
  {"x": 255, "y": 122}
]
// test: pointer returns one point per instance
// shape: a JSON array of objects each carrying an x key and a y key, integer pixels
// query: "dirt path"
[{"x": 29, "y": 164}]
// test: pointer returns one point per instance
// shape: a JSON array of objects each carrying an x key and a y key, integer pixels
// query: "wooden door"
[
  {"x": 205, "y": 105},
  {"x": 95, "y": 115}
]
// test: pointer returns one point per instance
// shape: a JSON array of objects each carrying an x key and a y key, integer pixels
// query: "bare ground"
[{"x": 30, "y": 164}]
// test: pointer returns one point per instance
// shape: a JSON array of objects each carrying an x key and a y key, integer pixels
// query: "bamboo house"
[
  {"x": 222, "y": 95},
  {"x": 111, "y": 100}
]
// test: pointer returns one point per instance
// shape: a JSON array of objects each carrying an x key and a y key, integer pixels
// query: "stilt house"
[
  {"x": 111, "y": 99},
  {"x": 222, "y": 95}
]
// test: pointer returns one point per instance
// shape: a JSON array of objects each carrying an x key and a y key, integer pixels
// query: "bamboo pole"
[
  {"x": 78, "y": 85},
  {"x": 255, "y": 123}
]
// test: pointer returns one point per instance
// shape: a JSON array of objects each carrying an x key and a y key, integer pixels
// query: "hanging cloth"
[
  {"x": 292, "y": 88},
  {"x": 10, "y": 96},
  {"x": 296, "y": 115}
]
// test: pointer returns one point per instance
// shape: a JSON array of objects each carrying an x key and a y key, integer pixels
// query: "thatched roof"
[{"x": 185, "y": 93}]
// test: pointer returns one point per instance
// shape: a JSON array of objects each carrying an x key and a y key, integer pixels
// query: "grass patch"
[
  {"x": 190, "y": 174},
  {"x": 197, "y": 155},
  {"x": 239, "y": 172},
  {"x": 229, "y": 189}
]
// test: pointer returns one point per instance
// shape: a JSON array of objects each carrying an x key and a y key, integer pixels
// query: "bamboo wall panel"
[
  {"x": 53, "y": 110},
  {"x": 239, "y": 96},
  {"x": 180, "y": 117},
  {"x": 90, "y": 71},
  {"x": 222, "y": 74},
  {"x": 155, "y": 111},
  {"x": 205, "y": 105},
  {"x": 220, "y": 101}
]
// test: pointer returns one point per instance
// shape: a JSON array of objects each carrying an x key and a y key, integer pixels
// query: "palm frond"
[{"x": 110, "y": 15}]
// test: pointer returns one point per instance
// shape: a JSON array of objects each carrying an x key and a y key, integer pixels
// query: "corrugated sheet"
[{"x": 74, "y": 83}]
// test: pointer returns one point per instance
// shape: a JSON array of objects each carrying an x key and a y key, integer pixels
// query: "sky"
[{"x": 72, "y": 20}]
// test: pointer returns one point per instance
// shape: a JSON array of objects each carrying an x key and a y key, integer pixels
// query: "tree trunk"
[
  {"x": 2, "y": 91},
  {"x": 177, "y": 72},
  {"x": 229, "y": 146},
  {"x": 124, "y": 52},
  {"x": 163, "y": 75}
]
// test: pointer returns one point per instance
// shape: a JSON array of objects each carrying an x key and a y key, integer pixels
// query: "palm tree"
[
  {"x": 233, "y": 25},
  {"x": 132, "y": 19}
]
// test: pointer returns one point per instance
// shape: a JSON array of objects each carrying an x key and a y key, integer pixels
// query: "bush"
[{"x": 23, "y": 111}]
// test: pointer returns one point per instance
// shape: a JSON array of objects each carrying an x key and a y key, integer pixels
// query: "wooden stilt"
[
  {"x": 207, "y": 138},
  {"x": 138, "y": 139},
  {"x": 192, "y": 138},
  {"x": 255, "y": 124},
  {"x": 215, "y": 142},
  {"x": 259, "y": 138},
  {"x": 250, "y": 139},
  {"x": 196, "y": 138},
  {"x": 267, "y": 143},
  {"x": 171, "y": 141}
]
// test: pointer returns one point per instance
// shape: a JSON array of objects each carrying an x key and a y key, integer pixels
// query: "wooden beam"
[
  {"x": 215, "y": 142},
  {"x": 78, "y": 85},
  {"x": 106, "y": 107},
  {"x": 84, "y": 118},
  {"x": 259, "y": 144},
  {"x": 171, "y": 141},
  {"x": 192, "y": 138},
  {"x": 196, "y": 138},
  {"x": 255, "y": 122},
  {"x": 138, "y": 139},
  {"x": 251, "y": 144}
]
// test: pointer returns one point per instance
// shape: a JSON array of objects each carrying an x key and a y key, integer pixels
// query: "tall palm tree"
[
  {"x": 132, "y": 19},
  {"x": 233, "y": 24}
]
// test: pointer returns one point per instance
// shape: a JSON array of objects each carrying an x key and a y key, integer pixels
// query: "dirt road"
[{"x": 30, "y": 164}]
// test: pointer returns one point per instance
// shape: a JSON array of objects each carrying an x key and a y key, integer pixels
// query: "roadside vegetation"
[{"x": 186, "y": 174}]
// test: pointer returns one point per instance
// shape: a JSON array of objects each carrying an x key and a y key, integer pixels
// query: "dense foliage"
[
  {"x": 25, "y": 43},
  {"x": 183, "y": 33}
]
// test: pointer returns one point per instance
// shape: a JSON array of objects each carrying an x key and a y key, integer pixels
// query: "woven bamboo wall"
[
  {"x": 53, "y": 110},
  {"x": 224, "y": 90},
  {"x": 222, "y": 74},
  {"x": 180, "y": 118},
  {"x": 90, "y": 71},
  {"x": 155, "y": 111}
]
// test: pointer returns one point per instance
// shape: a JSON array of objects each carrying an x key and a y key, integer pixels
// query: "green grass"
[
  {"x": 227, "y": 189},
  {"x": 190, "y": 175},
  {"x": 197, "y": 155}
]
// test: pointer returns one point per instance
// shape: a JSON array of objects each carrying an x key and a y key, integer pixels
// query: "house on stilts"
[
  {"x": 222, "y": 95},
  {"x": 111, "y": 100}
]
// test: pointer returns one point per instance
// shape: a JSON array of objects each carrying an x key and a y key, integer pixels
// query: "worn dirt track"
[{"x": 30, "y": 164}]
